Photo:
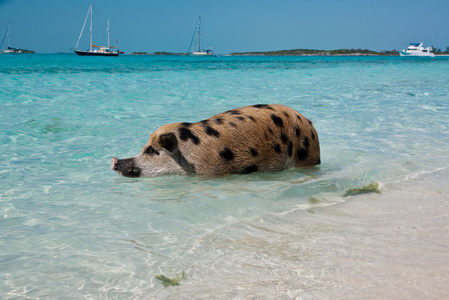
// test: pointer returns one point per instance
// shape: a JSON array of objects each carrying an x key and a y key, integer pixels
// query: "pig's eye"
[{"x": 150, "y": 151}]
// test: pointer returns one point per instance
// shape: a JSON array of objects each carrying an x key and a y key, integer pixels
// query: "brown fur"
[{"x": 259, "y": 138}]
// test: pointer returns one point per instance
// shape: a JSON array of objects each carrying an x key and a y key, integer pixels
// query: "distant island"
[
  {"x": 294, "y": 52},
  {"x": 157, "y": 53},
  {"x": 313, "y": 52},
  {"x": 305, "y": 52}
]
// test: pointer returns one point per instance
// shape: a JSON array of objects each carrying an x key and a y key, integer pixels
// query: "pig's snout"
[{"x": 125, "y": 167}]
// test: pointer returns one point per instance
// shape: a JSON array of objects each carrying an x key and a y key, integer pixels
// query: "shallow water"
[{"x": 72, "y": 228}]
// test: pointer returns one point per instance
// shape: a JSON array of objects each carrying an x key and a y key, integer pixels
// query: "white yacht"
[{"x": 417, "y": 49}]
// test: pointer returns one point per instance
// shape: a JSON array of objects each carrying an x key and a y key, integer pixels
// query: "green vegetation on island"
[
  {"x": 314, "y": 52},
  {"x": 303, "y": 52},
  {"x": 168, "y": 53},
  {"x": 439, "y": 51},
  {"x": 157, "y": 53},
  {"x": 139, "y": 53}
]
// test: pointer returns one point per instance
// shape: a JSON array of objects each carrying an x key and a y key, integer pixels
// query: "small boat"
[
  {"x": 417, "y": 49},
  {"x": 9, "y": 49},
  {"x": 198, "y": 52},
  {"x": 95, "y": 50}
]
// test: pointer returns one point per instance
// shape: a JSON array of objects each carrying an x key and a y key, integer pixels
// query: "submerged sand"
[{"x": 393, "y": 246}]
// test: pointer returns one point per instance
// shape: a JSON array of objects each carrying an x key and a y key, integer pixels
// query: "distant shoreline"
[
  {"x": 294, "y": 52},
  {"x": 314, "y": 52},
  {"x": 158, "y": 53}
]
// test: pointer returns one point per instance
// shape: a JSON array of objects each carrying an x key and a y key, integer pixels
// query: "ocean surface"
[{"x": 71, "y": 228}]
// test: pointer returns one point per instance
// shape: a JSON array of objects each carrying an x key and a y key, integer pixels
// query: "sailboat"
[
  {"x": 9, "y": 49},
  {"x": 198, "y": 51},
  {"x": 93, "y": 49}
]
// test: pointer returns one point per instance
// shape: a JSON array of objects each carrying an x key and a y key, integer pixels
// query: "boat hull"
[
  {"x": 11, "y": 51},
  {"x": 201, "y": 54},
  {"x": 92, "y": 53},
  {"x": 403, "y": 53}
]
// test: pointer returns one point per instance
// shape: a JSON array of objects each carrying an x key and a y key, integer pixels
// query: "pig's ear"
[{"x": 169, "y": 141}]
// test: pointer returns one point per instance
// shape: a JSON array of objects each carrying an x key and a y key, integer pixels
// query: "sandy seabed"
[
  {"x": 398, "y": 243},
  {"x": 393, "y": 245}
]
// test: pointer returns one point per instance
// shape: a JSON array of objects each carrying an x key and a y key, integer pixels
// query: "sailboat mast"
[
  {"x": 108, "y": 33},
  {"x": 4, "y": 37},
  {"x": 91, "y": 38},
  {"x": 198, "y": 36},
  {"x": 9, "y": 29}
]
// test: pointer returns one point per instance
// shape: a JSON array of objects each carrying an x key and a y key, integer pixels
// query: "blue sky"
[{"x": 48, "y": 26}]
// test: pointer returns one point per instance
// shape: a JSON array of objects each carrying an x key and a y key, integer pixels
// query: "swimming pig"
[{"x": 257, "y": 138}]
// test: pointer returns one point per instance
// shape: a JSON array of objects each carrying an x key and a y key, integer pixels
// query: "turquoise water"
[{"x": 72, "y": 228}]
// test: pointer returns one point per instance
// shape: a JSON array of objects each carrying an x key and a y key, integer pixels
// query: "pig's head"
[{"x": 159, "y": 156}]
